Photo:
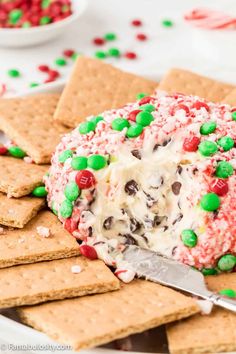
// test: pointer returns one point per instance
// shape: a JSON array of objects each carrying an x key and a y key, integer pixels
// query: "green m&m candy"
[
  {"x": 60, "y": 62},
  {"x": 72, "y": 191},
  {"x": 39, "y": 192},
  {"x": 97, "y": 162},
  {"x": 228, "y": 292},
  {"x": 66, "y": 209},
  {"x": 45, "y": 4},
  {"x": 13, "y": 73},
  {"x": 14, "y": 16},
  {"x": 208, "y": 128},
  {"x": 227, "y": 262},
  {"x": 167, "y": 23},
  {"x": 96, "y": 119},
  {"x": 26, "y": 24},
  {"x": 144, "y": 118},
  {"x": 119, "y": 124},
  {"x": 17, "y": 152},
  {"x": 45, "y": 20},
  {"x": 65, "y": 155},
  {"x": 207, "y": 148},
  {"x": 226, "y": 143},
  {"x": 234, "y": 115},
  {"x": 210, "y": 202},
  {"x": 189, "y": 238},
  {"x": 87, "y": 127},
  {"x": 141, "y": 95},
  {"x": 209, "y": 271},
  {"x": 224, "y": 169},
  {"x": 110, "y": 36},
  {"x": 79, "y": 163},
  {"x": 54, "y": 209},
  {"x": 134, "y": 131},
  {"x": 147, "y": 107},
  {"x": 114, "y": 52},
  {"x": 100, "y": 54}
]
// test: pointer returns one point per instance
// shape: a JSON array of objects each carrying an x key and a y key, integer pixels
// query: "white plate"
[{"x": 22, "y": 37}]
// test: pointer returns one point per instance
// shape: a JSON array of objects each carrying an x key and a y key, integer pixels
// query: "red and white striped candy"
[{"x": 210, "y": 19}]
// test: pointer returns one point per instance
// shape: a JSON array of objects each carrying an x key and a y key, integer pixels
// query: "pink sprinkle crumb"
[{"x": 28, "y": 159}]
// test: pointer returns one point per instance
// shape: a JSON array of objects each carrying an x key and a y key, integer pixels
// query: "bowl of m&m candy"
[{"x": 31, "y": 22}]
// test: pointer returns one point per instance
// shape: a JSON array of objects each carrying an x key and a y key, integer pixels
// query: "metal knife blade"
[{"x": 157, "y": 268}]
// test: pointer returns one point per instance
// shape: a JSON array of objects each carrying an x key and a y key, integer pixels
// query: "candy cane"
[{"x": 210, "y": 19}]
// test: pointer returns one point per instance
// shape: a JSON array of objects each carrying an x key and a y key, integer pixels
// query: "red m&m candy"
[
  {"x": 85, "y": 179},
  {"x": 191, "y": 144},
  {"x": 3, "y": 150},
  {"x": 88, "y": 252},
  {"x": 219, "y": 187},
  {"x": 132, "y": 115},
  {"x": 145, "y": 100}
]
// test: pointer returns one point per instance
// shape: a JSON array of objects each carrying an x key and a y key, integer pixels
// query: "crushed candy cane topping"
[{"x": 158, "y": 173}]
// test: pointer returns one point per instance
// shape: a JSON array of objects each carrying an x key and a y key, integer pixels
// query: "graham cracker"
[
  {"x": 94, "y": 320},
  {"x": 20, "y": 246},
  {"x": 19, "y": 178},
  {"x": 17, "y": 212},
  {"x": 36, "y": 283},
  {"x": 95, "y": 87},
  {"x": 183, "y": 81},
  {"x": 29, "y": 123},
  {"x": 212, "y": 333},
  {"x": 230, "y": 98}
]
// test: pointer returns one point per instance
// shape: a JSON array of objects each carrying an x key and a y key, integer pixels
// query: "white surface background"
[{"x": 179, "y": 46}]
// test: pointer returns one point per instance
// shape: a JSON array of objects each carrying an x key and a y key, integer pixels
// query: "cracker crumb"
[
  {"x": 76, "y": 269},
  {"x": 28, "y": 159},
  {"x": 43, "y": 231},
  {"x": 2, "y": 231},
  {"x": 21, "y": 240}
]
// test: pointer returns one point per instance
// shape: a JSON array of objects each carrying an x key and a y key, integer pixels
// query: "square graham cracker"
[
  {"x": 17, "y": 212},
  {"x": 19, "y": 178},
  {"x": 39, "y": 282},
  {"x": 230, "y": 98},
  {"x": 178, "y": 80},
  {"x": 28, "y": 121},
  {"x": 21, "y": 246},
  {"x": 95, "y": 87},
  {"x": 94, "y": 320},
  {"x": 212, "y": 333}
]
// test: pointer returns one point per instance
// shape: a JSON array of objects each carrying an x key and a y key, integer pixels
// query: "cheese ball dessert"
[{"x": 158, "y": 173}]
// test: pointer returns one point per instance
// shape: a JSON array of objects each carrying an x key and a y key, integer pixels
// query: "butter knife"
[{"x": 157, "y": 268}]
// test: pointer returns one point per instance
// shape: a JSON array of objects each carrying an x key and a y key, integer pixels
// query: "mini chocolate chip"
[
  {"x": 215, "y": 214},
  {"x": 165, "y": 228},
  {"x": 176, "y": 187},
  {"x": 90, "y": 231},
  {"x": 158, "y": 220},
  {"x": 150, "y": 200},
  {"x": 78, "y": 241},
  {"x": 174, "y": 250},
  {"x": 165, "y": 142},
  {"x": 137, "y": 154},
  {"x": 107, "y": 224},
  {"x": 195, "y": 170},
  {"x": 144, "y": 237},
  {"x": 179, "y": 217},
  {"x": 130, "y": 240},
  {"x": 99, "y": 243},
  {"x": 134, "y": 225},
  {"x": 131, "y": 187},
  {"x": 179, "y": 169}
]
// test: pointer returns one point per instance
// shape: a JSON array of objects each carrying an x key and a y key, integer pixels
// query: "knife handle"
[{"x": 223, "y": 302}]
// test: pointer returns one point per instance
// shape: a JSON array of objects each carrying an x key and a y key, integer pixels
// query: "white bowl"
[{"x": 23, "y": 37}]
